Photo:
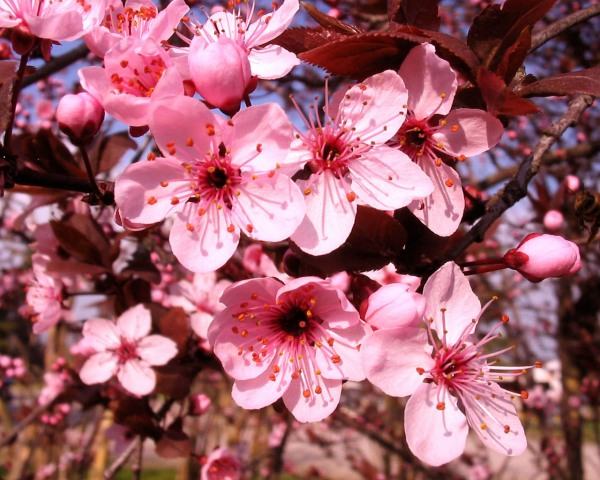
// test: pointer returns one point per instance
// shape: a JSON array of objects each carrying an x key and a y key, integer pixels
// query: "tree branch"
[
  {"x": 56, "y": 64},
  {"x": 516, "y": 188},
  {"x": 122, "y": 459},
  {"x": 556, "y": 28}
]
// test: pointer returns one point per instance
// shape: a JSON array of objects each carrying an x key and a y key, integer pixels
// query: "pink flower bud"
[
  {"x": 220, "y": 71},
  {"x": 553, "y": 220},
  {"x": 572, "y": 183},
  {"x": 544, "y": 256},
  {"x": 200, "y": 404},
  {"x": 79, "y": 116}
]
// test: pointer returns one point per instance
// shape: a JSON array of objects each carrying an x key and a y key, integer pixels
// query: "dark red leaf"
[
  {"x": 329, "y": 22},
  {"x": 301, "y": 39},
  {"x": 500, "y": 100},
  {"x": 174, "y": 443},
  {"x": 106, "y": 153},
  {"x": 419, "y": 13},
  {"x": 175, "y": 324},
  {"x": 582, "y": 82},
  {"x": 514, "y": 56},
  {"x": 497, "y": 29}
]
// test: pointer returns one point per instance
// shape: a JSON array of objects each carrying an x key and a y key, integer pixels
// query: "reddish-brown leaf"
[
  {"x": 175, "y": 324},
  {"x": 364, "y": 54},
  {"x": 497, "y": 28},
  {"x": 582, "y": 82},
  {"x": 174, "y": 443},
  {"x": 301, "y": 39},
  {"x": 500, "y": 100},
  {"x": 106, "y": 153},
  {"x": 514, "y": 56},
  {"x": 329, "y": 22},
  {"x": 419, "y": 13}
]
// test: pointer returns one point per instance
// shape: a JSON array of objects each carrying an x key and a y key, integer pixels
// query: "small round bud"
[
  {"x": 79, "y": 116},
  {"x": 553, "y": 220}
]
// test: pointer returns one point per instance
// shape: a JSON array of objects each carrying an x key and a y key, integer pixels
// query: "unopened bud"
[{"x": 79, "y": 116}]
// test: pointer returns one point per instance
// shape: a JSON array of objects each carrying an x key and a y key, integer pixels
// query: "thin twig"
[
  {"x": 89, "y": 171},
  {"x": 558, "y": 27},
  {"x": 16, "y": 89},
  {"x": 56, "y": 64},
  {"x": 111, "y": 471},
  {"x": 516, "y": 188},
  {"x": 19, "y": 427}
]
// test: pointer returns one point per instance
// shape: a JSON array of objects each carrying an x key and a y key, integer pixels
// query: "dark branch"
[
  {"x": 556, "y": 28},
  {"x": 56, "y": 64}
]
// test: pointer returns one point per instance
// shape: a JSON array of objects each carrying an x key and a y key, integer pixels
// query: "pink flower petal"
[
  {"x": 261, "y": 136},
  {"x": 436, "y": 436},
  {"x": 99, "y": 368},
  {"x": 263, "y": 290},
  {"x": 391, "y": 358},
  {"x": 261, "y": 391},
  {"x": 376, "y": 108},
  {"x": 269, "y": 26},
  {"x": 144, "y": 192},
  {"x": 95, "y": 82},
  {"x": 393, "y": 306},
  {"x": 319, "y": 233},
  {"x": 442, "y": 211},
  {"x": 387, "y": 179},
  {"x": 269, "y": 208},
  {"x": 101, "y": 334},
  {"x": 430, "y": 81},
  {"x": 350, "y": 365},
  {"x": 135, "y": 323},
  {"x": 449, "y": 289},
  {"x": 468, "y": 132},
  {"x": 495, "y": 420},
  {"x": 167, "y": 20},
  {"x": 156, "y": 349},
  {"x": 61, "y": 26},
  {"x": 200, "y": 322},
  {"x": 188, "y": 140},
  {"x": 316, "y": 407},
  {"x": 271, "y": 62},
  {"x": 203, "y": 243},
  {"x": 137, "y": 377}
]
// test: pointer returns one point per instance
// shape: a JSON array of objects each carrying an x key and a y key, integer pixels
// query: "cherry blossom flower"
[
  {"x": 541, "y": 256},
  {"x": 53, "y": 20},
  {"x": 349, "y": 162},
  {"x": 431, "y": 140},
  {"x": 137, "y": 19},
  {"x": 217, "y": 179},
  {"x": 133, "y": 78},
  {"x": 221, "y": 464},
  {"x": 451, "y": 383},
  {"x": 126, "y": 349},
  {"x": 44, "y": 296},
  {"x": 394, "y": 305},
  {"x": 298, "y": 341},
  {"x": 80, "y": 116},
  {"x": 266, "y": 61},
  {"x": 199, "y": 298}
]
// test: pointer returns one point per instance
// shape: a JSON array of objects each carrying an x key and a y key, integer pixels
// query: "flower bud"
[
  {"x": 572, "y": 182},
  {"x": 544, "y": 256},
  {"x": 200, "y": 404},
  {"x": 220, "y": 71},
  {"x": 553, "y": 220},
  {"x": 79, "y": 116}
]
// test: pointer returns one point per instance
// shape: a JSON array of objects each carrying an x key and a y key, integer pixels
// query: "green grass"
[{"x": 149, "y": 474}]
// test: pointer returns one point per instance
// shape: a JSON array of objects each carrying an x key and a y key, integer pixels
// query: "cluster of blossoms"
[{"x": 223, "y": 175}]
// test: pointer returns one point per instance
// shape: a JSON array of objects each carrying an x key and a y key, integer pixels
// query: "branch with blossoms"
[{"x": 234, "y": 236}]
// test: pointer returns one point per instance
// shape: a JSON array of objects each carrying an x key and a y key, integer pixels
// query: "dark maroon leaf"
[
  {"x": 175, "y": 324},
  {"x": 497, "y": 29},
  {"x": 175, "y": 380},
  {"x": 500, "y": 100},
  {"x": 301, "y": 39},
  {"x": 106, "y": 153},
  {"x": 582, "y": 82},
  {"x": 514, "y": 56},
  {"x": 364, "y": 54},
  {"x": 135, "y": 414},
  {"x": 328, "y": 21},
  {"x": 174, "y": 443},
  {"x": 419, "y": 13}
]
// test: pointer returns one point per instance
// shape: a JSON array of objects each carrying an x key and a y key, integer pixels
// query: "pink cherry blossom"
[
  {"x": 137, "y": 19},
  {"x": 199, "y": 298},
  {"x": 221, "y": 464},
  {"x": 53, "y": 20},
  {"x": 266, "y": 61},
  {"x": 541, "y": 256},
  {"x": 133, "y": 78},
  {"x": 298, "y": 341},
  {"x": 553, "y": 220},
  {"x": 217, "y": 179},
  {"x": 451, "y": 383},
  {"x": 126, "y": 349},
  {"x": 44, "y": 296},
  {"x": 388, "y": 274},
  {"x": 349, "y": 162},
  {"x": 430, "y": 140},
  {"x": 393, "y": 306}
]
